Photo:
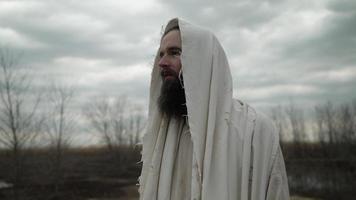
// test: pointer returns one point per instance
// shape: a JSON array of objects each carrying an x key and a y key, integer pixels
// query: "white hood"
[{"x": 234, "y": 148}]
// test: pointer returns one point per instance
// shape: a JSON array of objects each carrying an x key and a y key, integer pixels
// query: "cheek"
[{"x": 178, "y": 65}]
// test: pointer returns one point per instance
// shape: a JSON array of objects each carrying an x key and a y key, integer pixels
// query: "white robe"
[
  {"x": 174, "y": 173},
  {"x": 236, "y": 152}
]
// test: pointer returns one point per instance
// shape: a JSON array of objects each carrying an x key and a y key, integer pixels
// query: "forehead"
[{"x": 171, "y": 39}]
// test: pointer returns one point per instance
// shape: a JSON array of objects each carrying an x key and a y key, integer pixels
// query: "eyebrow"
[{"x": 173, "y": 48}]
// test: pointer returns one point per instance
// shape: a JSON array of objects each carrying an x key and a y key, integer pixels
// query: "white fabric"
[
  {"x": 175, "y": 177},
  {"x": 236, "y": 152}
]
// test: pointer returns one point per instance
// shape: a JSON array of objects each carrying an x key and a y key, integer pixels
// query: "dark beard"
[{"x": 171, "y": 102}]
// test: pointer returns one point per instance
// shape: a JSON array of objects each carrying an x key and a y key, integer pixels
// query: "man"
[{"x": 201, "y": 143}]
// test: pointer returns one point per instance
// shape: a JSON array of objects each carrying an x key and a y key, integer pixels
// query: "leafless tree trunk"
[
  {"x": 119, "y": 123},
  {"x": 345, "y": 124},
  {"x": 118, "y": 120},
  {"x": 330, "y": 121},
  {"x": 18, "y": 123},
  {"x": 59, "y": 126},
  {"x": 136, "y": 124},
  {"x": 109, "y": 118},
  {"x": 279, "y": 119},
  {"x": 353, "y": 111},
  {"x": 297, "y": 123},
  {"x": 319, "y": 118}
]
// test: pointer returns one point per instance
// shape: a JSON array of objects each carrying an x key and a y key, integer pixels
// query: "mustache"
[{"x": 168, "y": 72}]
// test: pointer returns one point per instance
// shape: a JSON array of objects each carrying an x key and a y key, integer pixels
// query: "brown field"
[
  {"x": 102, "y": 174},
  {"x": 94, "y": 173}
]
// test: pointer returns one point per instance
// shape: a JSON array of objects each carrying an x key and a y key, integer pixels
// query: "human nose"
[{"x": 163, "y": 62}]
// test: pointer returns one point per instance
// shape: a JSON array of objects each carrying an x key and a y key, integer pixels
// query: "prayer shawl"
[{"x": 236, "y": 152}]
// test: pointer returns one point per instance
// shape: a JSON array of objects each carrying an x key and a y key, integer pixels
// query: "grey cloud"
[
  {"x": 96, "y": 38},
  {"x": 225, "y": 15},
  {"x": 342, "y": 6},
  {"x": 125, "y": 37},
  {"x": 333, "y": 46}
]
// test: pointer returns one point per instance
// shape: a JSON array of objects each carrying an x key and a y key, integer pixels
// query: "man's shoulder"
[
  {"x": 259, "y": 129},
  {"x": 263, "y": 124},
  {"x": 266, "y": 135}
]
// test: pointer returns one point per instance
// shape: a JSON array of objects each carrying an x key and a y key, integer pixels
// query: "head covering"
[{"x": 233, "y": 146}]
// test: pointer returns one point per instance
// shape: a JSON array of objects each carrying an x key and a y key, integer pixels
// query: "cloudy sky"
[{"x": 279, "y": 51}]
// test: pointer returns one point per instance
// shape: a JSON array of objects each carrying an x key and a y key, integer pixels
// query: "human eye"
[{"x": 175, "y": 52}]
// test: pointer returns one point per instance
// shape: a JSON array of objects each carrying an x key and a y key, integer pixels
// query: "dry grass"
[{"x": 96, "y": 173}]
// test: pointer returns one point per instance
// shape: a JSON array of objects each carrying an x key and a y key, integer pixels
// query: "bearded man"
[{"x": 200, "y": 142}]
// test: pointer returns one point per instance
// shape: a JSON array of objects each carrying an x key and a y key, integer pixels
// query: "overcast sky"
[{"x": 279, "y": 51}]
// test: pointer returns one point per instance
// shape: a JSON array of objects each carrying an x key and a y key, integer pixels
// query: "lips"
[{"x": 168, "y": 73}]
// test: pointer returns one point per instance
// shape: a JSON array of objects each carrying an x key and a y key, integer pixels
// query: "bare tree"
[
  {"x": 18, "y": 108},
  {"x": 107, "y": 117},
  {"x": 353, "y": 111},
  {"x": 277, "y": 115},
  {"x": 329, "y": 121},
  {"x": 118, "y": 119},
  {"x": 60, "y": 124},
  {"x": 329, "y": 116},
  {"x": 345, "y": 124},
  {"x": 297, "y": 123},
  {"x": 321, "y": 125},
  {"x": 136, "y": 124}
]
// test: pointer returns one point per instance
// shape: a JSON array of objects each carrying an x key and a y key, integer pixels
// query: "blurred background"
[{"x": 74, "y": 86}]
